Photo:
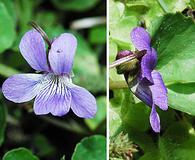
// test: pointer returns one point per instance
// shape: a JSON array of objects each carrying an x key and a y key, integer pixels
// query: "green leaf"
[
  {"x": 19, "y": 154},
  {"x": 43, "y": 146},
  {"x": 54, "y": 31},
  {"x": 177, "y": 142},
  {"x": 47, "y": 19},
  {"x": 7, "y": 29},
  {"x": 120, "y": 25},
  {"x": 158, "y": 8},
  {"x": 167, "y": 118},
  {"x": 115, "y": 123},
  {"x": 144, "y": 140},
  {"x": 75, "y": 5},
  {"x": 192, "y": 3},
  {"x": 120, "y": 30},
  {"x": 137, "y": 8},
  {"x": 113, "y": 49},
  {"x": 91, "y": 148},
  {"x": 9, "y": 4},
  {"x": 97, "y": 35},
  {"x": 175, "y": 44},
  {"x": 175, "y": 6},
  {"x": 131, "y": 113},
  {"x": 100, "y": 115},
  {"x": 114, "y": 13},
  {"x": 25, "y": 11},
  {"x": 2, "y": 122},
  {"x": 181, "y": 97},
  {"x": 86, "y": 68},
  {"x": 153, "y": 155}
]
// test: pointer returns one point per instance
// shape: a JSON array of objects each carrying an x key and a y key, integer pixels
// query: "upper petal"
[
  {"x": 159, "y": 91},
  {"x": 83, "y": 102},
  {"x": 140, "y": 38},
  {"x": 155, "y": 120},
  {"x": 62, "y": 52},
  {"x": 22, "y": 87},
  {"x": 32, "y": 47},
  {"x": 54, "y": 97},
  {"x": 148, "y": 63}
]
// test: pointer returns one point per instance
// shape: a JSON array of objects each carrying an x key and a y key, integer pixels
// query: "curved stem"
[
  {"x": 72, "y": 125},
  {"x": 40, "y": 30}
]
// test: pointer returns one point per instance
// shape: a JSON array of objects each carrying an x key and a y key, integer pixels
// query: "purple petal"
[
  {"x": 143, "y": 92},
  {"x": 155, "y": 120},
  {"x": 62, "y": 53},
  {"x": 32, "y": 47},
  {"x": 22, "y": 87},
  {"x": 83, "y": 102},
  {"x": 159, "y": 91},
  {"x": 148, "y": 63},
  {"x": 54, "y": 98},
  {"x": 140, "y": 38}
]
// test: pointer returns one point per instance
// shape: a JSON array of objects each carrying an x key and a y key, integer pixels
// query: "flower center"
[{"x": 59, "y": 83}]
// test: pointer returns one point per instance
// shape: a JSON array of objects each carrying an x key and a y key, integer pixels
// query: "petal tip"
[
  {"x": 140, "y": 38},
  {"x": 83, "y": 102},
  {"x": 155, "y": 120}
]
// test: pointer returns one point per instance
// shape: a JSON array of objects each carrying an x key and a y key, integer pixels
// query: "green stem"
[
  {"x": 72, "y": 125},
  {"x": 163, "y": 6}
]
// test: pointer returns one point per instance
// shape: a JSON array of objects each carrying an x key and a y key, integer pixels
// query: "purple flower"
[
  {"x": 54, "y": 91},
  {"x": 149, "y": 86}
]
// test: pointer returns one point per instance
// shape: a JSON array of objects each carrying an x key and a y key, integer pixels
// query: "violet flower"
[
  {"x": 54, "y": 91},
  {"x": 149, "y": 86}
]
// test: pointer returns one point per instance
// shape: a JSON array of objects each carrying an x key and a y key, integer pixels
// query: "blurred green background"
[{"x": 50, "y": 138}]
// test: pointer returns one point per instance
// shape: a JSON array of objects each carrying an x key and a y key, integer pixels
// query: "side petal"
[
  {"x": 62, "y": 53},
  {"x": 83, "y": 102},
  {"x": 54, "y": 98},
  {"x": 143, "y": 92},
  {"x": 22, "y": 87},
  {"x": 148, "y": 63},
  {"x": 32, "y": 47},
  {"x": 155, "y": 120},
  {"x": 140, "y": 38},
  {"x": 159, "y": 91}
]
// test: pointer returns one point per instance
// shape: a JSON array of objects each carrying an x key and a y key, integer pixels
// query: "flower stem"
[
  {"x": 72, "y": 125},
  {"x": 40, "y": 30}
]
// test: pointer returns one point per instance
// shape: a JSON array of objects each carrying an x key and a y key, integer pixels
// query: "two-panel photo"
[{"x": 97, "y": 79}]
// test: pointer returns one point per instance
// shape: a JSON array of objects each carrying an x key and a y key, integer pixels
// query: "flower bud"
[{"x": 131, "y": 66}]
